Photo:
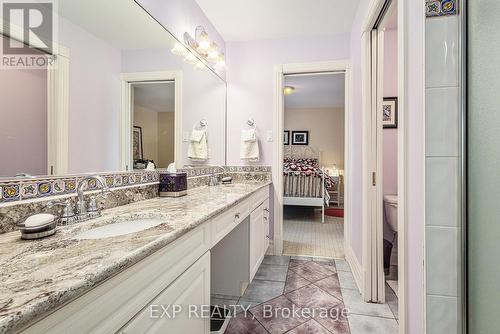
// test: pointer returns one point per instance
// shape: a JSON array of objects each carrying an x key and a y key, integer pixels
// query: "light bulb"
[
  {"x": 199, "y": 65},
  {"x": 213, "y": 56},
  {"x": 204, "y": 42},
  {"x": 288, "y": 90},
  {"x": 190, "y": 59},
  {"x": 179, "y": 49},
  {"x": 221, "y": 61}
]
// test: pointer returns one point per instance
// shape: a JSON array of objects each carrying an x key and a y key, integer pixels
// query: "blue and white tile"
[{"x": 29, "y": 190}]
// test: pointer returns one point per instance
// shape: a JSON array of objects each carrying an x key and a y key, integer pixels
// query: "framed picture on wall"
[
  {"x": 300, "y": 137},
  {"x": 390, "y": 110},
  {"x": 286, "y": 137},
  {"x": 137, "y": 143}
]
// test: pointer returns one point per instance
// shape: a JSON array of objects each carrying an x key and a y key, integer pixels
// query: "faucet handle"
[
  {"x": 94, "y": 200},
  {"x": 67, "y": 206}
]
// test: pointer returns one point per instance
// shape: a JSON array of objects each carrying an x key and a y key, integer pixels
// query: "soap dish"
[{"x": 37, "y": 232}]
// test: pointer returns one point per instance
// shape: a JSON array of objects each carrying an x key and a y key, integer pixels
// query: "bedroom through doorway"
[{"x": 313, "y": 164}]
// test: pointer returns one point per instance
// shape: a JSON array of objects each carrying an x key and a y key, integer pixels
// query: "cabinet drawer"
[
  {"x": 227, "y": 221},
  {"x": 106, "y": 308},
  {"x": 260, "y": 196},
  {"x": 190, "y": 291}
]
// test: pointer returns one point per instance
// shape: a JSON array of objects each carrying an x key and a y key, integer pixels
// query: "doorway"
[
  {"x": 153, "y": 119},
  {"x": 281, "y": 72},
  {"x": 384, "y": 156},
  {"x": 313, "y": 165},
  {"x": 151, "y": 114}
]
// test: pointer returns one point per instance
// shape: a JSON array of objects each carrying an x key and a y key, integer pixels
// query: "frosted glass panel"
[{"x": 483, "y": 164}]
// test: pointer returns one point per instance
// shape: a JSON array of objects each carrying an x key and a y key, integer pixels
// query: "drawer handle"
[
  {"x": 266, "y": 209},
  {"x": 237, "y": 216}
]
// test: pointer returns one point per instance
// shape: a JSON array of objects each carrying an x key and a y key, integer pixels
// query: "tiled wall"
[
  {"x": 27, "y": 189},
  {"x": 14, "y": 190},
  {"x": 443, "y": 157}
]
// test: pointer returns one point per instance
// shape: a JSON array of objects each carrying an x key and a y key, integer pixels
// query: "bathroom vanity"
[{"x": 130, "y": 283}]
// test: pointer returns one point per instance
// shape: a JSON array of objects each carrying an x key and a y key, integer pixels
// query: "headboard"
[{"x": 300, "y": 151}]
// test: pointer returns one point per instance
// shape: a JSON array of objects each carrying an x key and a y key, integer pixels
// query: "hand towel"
[
  {"x": 198, "y": 145},
  {"x": 249, "y": 145}
]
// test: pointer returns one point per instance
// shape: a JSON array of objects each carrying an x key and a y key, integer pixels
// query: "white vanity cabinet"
[
  {"x": 133, "y": 300},
  {"x": 259, "y": 236},
  {"x": 181, "y": 307}
]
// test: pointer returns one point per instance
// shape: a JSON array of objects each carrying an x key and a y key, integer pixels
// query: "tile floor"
[
  {"x": 304, "y": 234},
  {"x": 319, "y": 290}
]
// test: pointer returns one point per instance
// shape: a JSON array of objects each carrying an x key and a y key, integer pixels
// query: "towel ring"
[
  {"x": 251, "y": 122},
  {"x": 203, "y": 123}
]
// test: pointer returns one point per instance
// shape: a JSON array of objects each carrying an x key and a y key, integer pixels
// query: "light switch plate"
[{"x": 269, "y": 136}]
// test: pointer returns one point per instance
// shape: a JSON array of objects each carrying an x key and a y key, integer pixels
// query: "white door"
[{"x": 191, "y": 289}]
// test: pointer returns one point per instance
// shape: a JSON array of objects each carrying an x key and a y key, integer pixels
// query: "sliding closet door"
[{"x": 483, "y": 166}]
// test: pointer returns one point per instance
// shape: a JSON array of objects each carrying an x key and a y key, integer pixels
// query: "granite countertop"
[{"x": 39, "y": 276}]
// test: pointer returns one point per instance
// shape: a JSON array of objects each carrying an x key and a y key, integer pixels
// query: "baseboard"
[{"x": 357, "y": 270}]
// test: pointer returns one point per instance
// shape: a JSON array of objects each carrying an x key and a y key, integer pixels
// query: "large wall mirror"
[{"x": 115, "y": 98}]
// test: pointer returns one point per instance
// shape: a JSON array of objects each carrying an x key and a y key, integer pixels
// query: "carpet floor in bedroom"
[{"x": 305, "y": 235}]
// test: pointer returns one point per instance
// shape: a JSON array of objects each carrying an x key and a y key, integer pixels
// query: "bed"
[{"x": 305, "y": 183}]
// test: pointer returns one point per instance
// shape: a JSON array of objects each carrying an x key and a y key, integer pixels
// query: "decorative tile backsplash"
[
  {"x": 25, "y": 189},
  {"x": 441, "y": 7}
]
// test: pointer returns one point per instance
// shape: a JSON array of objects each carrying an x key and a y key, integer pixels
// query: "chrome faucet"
[
  {"x": 92, "y": 211},
  {"x": 213, "y": 179}
]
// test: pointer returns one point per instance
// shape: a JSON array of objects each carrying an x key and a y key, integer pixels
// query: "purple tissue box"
[{"x": 173, "y": 184}]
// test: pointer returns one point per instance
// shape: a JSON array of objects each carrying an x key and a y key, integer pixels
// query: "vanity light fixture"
[
  {"x": 288, "y": 90},
  {"x": 179, "y": 49},
  {"x": 207, "y": 50},
  {"x": 221, "y": 62},
  {"x": 191, "y": 59},
  {"x": 199, "y": 65}
]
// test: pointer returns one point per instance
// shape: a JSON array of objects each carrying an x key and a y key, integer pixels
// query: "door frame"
[
  {"x": 372, "y": 220},
  {"x": 340, "y": 66},
  {"x": 127, "y": 79}
]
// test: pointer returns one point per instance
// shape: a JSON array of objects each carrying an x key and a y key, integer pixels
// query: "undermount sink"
[{"x": 117, "y": 229}]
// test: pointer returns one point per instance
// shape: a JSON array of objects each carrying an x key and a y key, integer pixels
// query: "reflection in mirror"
[
  {"x": 153, "y": 119},
  {"x": 72, "y": 117}
]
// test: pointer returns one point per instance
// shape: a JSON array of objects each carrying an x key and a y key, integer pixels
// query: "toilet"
[{"x": 391, "y": 211}]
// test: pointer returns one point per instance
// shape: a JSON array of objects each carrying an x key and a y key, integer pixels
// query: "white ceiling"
[
  {"x": 244, "y": 20},
  {"x": 158, "y": 97},
  {"x": 316, "y": 91},
  {"x": 123, "y": 24}
]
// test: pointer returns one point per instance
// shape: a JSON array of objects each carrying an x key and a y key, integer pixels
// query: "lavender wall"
[
  {"x": 250, "y": 81},
  {"x": 94, "y": 100},
  {"x": 390, "y": 165},
  {"x": 23, "y": 122}
]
